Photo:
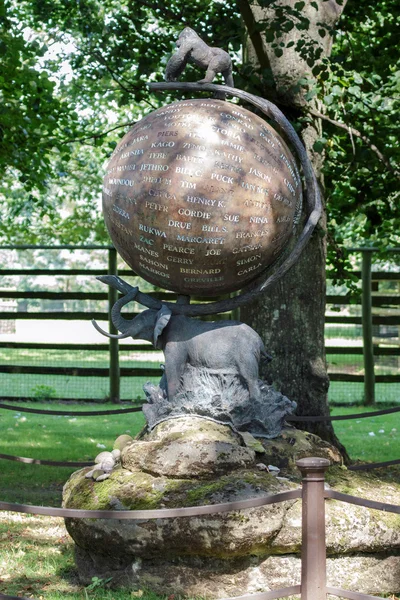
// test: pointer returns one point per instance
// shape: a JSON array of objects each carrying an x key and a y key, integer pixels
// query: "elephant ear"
[{"x": 162, "y": 320}]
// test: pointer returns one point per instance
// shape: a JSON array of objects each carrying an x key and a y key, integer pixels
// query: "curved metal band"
[{"x": 313, "y": 202}]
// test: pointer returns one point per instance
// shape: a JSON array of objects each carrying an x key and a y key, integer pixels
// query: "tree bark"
[{"x": 290, "y": 317}]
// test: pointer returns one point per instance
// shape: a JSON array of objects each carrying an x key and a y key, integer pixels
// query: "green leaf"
[
  {"x": 278, "y": 52},
  {"x": 311, "y": 94},
  {"x": 269, "y": 35},
  {"x": 319, "y": 146},
  {"x": 355, "y": 90},
  {"x": 299, "y": 5}
]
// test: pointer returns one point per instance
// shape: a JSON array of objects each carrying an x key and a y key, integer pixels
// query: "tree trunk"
[{"x": 290, "y": 317}]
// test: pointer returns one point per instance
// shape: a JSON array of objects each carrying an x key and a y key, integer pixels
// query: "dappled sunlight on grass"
[
  {"x": 375, "y": 439},
  {"x": 36, "y": 560},
  {"x": 53, "y": 437}
]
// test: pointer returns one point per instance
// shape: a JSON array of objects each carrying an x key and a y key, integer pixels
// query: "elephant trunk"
[
  {"x": 118, "y": 320},
  {"x": 114, "y": 336}
]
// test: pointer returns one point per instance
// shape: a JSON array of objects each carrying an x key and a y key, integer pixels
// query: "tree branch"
[
  {"x": 356, "y": 133},
  {"x": 96, "y": 136},
  {"x": 103, "y": 62},
  {"x": 165, "y": 11},
  {"x": 255, "y": 35}
]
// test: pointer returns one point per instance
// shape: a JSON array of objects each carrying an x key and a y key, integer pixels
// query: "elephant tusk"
[{"x": 113, "y": 336}]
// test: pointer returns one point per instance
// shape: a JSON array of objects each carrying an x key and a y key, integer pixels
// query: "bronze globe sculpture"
[{"x": 201, "y": 196}]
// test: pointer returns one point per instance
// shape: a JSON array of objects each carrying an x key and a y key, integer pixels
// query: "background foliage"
[{"x": 74, "y": 77}]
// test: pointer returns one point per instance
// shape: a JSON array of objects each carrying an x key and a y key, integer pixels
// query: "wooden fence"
[{"x": 370, "y": 297}]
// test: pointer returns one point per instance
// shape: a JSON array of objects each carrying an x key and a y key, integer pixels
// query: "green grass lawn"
[
  {"x": 356, "y": 435},
  {"x": 27, "y": 385},
  {"x": 77, "y": 358},
  {"x": 54, "y": 438},
  {"x": 36, "y": 553}
]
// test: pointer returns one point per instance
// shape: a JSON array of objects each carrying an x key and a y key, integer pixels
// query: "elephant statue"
[{"x": 225, "y": 347}]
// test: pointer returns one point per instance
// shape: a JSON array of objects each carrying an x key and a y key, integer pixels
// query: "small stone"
[
  {"x": 103, "y": 477},
  {"x": 262, "y": 467},
  {"x": 89, "y": 474},
  {"x": 108, "y": 464},
  {"x": 116, "y": 454},
  {"x": 122, "y": 441},
  {"x": 251, "y": 442},
  {"x": 97, "y": 473},
  {"x": 100, "y": 445},
  {"x": 103, "y": 456},
  {"x": 273, "y": 470}
]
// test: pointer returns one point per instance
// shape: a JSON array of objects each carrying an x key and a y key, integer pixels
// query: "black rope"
[
  {"x": 317, "y": 419},
  {"x": 84, "y": 413},
  {"x": 51, "y": 463},
  {"x": 291, "y": 418},
  {"x": 378, "y": 465}
]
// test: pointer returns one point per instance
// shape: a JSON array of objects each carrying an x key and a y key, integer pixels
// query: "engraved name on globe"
[{"x": 200, "y": 197}]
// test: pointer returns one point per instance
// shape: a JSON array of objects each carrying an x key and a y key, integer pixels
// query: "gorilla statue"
[{"x": 192, "y": 49}]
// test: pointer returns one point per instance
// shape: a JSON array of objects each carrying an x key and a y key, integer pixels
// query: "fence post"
[
  {"x": 114, "y": 358},
  {"x": 368, "y": 347},
  {"x": 313, "y": 545}
]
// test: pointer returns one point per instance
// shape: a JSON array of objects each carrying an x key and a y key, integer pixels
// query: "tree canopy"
[{"x": 74, "y": 77}]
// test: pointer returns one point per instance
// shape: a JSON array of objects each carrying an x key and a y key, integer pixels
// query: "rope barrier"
[
  {"x": 90, "y": 463},
  {"x": 351, "y": 595},
  {"x": 292, "y": 418},
  {"x": 5, "y": 597},
  {"x": 271, "y": 595},
  {"x": 51, "y": 463},
  {"x": 289, "y": 418},
  {"x": 70, "y": 413},
  {"x": 160, "y": 513},
  {"x": 317, "y": 419},
  {"x": 393, "y": 508},
  {"x": 378, "y": 465}
]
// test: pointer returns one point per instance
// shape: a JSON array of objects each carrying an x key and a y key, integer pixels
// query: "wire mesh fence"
[{"x": 49, "y": 348}]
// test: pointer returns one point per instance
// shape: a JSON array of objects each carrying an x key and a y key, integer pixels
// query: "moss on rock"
[{"x": 187, "y": 475}]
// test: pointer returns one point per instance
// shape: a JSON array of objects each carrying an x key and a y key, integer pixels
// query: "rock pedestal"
[{"x": 192, "y": 461}]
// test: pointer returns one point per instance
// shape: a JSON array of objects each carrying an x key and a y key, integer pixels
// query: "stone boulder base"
[{"x": 193, "y": 461}]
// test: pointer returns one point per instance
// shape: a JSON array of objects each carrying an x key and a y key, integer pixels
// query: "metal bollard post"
[{"x": 313, "y": 547}]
